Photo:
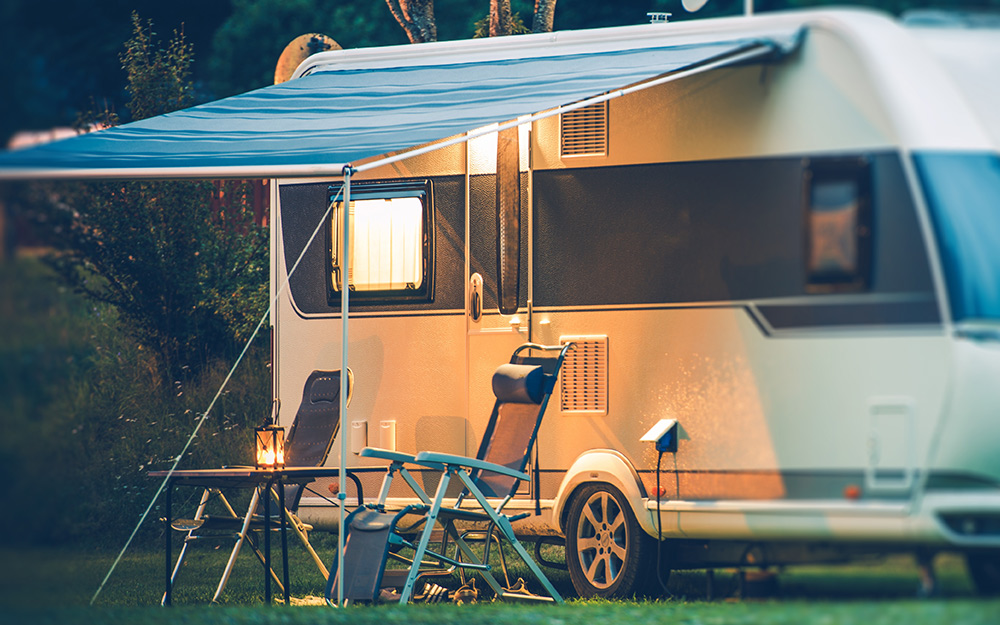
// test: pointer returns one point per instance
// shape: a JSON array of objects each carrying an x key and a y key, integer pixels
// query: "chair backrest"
[
  {"x": 315, "y": 426},
  {"x": 522, "y": 389}
]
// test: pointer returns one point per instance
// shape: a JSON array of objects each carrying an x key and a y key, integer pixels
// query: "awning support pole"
[{"x": 345, "y": 261}]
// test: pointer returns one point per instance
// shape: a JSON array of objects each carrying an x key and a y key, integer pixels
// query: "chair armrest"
[
  {"x": 431, "y": 458},
  {"x": 385, "y": 454}
]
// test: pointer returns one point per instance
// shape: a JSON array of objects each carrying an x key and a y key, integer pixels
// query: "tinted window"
[{"x": 963, "y": 194}]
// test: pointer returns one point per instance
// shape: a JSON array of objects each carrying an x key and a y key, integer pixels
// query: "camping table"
[{"x": 243, "y": 477}]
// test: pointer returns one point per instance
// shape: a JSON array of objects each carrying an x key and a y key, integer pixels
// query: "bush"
[
  {"x": 172, "y": 257},
  {"x": 88, "y": 414}
]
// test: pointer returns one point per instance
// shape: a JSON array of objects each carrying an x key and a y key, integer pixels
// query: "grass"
[{"x": 49, "y": 585}]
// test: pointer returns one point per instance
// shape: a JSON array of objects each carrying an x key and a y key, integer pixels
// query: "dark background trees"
[
  {"x": 172, "y": 257},
  {"x": 106, "y": 369}
]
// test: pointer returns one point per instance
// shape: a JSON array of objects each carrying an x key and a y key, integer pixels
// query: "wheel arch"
[{"x": 611, "y": 467}]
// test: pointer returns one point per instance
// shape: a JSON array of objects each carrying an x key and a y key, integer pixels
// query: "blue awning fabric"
[{"x": 317, "y": 123}]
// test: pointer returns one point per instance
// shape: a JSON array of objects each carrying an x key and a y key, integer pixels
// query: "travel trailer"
[
  {"x": 770, "y": 240},
  {"x": 791, "y": 257}
]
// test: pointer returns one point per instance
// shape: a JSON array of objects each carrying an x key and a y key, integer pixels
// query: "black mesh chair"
[
  {"x": 308, "y": 444},
  {"x": 373, "y": 536}
]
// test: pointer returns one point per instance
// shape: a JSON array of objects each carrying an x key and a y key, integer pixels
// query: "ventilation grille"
[
  {"x": 585, "y": 376},
  {"x": 584, "y": 131}
]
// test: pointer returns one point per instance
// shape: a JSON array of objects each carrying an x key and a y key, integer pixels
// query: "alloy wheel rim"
[{"x": 602, "y": 540}]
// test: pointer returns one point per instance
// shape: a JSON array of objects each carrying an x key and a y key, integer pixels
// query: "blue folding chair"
[{"x": 374, "y": 536}]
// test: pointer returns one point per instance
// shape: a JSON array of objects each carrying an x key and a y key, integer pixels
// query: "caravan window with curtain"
[{"x": 391, "y": 235}]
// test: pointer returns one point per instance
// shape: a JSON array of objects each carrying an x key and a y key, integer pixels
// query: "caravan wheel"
[{"x": 607, "y": 553}]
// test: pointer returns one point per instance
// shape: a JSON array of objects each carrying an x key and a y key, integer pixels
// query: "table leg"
[
  {"x": 168, "y": 546},
  {"x": 284, "y": 540},
  {"x": 267, "y": 543}
]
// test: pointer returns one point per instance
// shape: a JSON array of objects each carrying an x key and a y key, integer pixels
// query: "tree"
[
  {"x": 246, "y": 47},
  {"x": 545, "y": 14},
  {"x": 501, "y": 22},
  {"x": 416, "y": 17},
  {"x": 188, "y": 278}
]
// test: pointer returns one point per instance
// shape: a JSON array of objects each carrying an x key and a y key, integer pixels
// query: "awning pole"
[{"x": 345, "y": 261}]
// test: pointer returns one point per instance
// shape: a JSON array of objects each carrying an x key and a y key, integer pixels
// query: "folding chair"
[
  {"x": 308, "y": 444},
  {"x": 373, "y": 535}
]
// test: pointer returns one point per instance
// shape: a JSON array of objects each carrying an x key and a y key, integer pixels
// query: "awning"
[{"x": 316, "y": 124}]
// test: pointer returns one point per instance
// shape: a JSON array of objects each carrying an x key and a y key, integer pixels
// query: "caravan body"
[{"x": 790, "y": 258}]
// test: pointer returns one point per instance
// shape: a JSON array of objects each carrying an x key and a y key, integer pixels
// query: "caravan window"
[
  {"x": 390, "y": 241},
  {"x": 838, "y": 224}
]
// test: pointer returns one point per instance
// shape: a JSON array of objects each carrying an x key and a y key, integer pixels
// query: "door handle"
[{"x": 475, "y": 296}]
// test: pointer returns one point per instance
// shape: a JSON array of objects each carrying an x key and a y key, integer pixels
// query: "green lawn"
[{"x": 55, "y": 586}]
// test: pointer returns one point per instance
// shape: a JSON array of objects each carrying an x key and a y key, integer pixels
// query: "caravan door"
[{"x": 497, "y": 268}]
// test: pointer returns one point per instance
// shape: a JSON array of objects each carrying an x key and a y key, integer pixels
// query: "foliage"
[
  {"x": 416, "y": 18},
  {"x": 58, "y": 57},
  {"x": 188, "y": 277},
  {"x": 159, "y": 80},
  {"x": 517, "y": 26},
  {"x": 87, "y": 414},
  {"x": 104, "y": 388},
  {"x": 247, "y": 45},
  {"x": 171, "y": 267}
]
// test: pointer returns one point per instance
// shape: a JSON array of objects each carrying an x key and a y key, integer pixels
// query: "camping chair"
[
  {"x": 307, "y": 445},
  {"x": 522, "y": 390}
]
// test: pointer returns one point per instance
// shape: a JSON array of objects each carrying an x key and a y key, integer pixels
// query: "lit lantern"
[{"x": 270, "y": 447}]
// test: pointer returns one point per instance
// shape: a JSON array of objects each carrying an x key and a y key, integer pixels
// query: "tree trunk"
[
  {"x": 545, "y": 12},
  {"x": 416, "y": 17},
  {"x": 501, "y": 22}
]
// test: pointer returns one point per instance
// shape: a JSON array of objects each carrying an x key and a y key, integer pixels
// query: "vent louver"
[
  {"x": 584, "y": 376},
  {"x": 584, "y": 131}
]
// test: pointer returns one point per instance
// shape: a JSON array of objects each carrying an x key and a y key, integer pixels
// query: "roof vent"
[
  {"x": 584, "y": 376},
  {"x": 584, "y": 131}
]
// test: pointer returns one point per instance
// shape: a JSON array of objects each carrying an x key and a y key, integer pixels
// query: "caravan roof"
[{"x": 968, "y": 54}]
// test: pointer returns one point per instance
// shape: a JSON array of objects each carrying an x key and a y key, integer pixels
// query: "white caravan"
[{"x": 795, "y": 258}]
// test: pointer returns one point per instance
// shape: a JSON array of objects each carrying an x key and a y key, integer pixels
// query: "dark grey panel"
[
  {"x": 303, "y": 205},
  {"x": 672, "y": 233},
  {"x": 302, "y": 208},
  {"x": 483, "y": 237},
  {"x": 709, "y": 231},
  {"x": 862, "y": 313}
]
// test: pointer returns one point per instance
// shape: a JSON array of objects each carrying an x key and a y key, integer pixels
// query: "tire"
[
  {"x": 984, "y": 569},
  {"x": 607, "y": 553}
]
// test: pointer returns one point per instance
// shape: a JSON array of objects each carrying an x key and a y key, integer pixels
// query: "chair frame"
[{"x": 465, "y": 469}]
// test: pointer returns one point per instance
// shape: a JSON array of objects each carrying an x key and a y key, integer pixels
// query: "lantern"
[{"x": 270, "y": 447}]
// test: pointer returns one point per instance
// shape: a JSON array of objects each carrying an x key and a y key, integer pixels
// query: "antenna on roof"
[{"x": 301, "y": 48}]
